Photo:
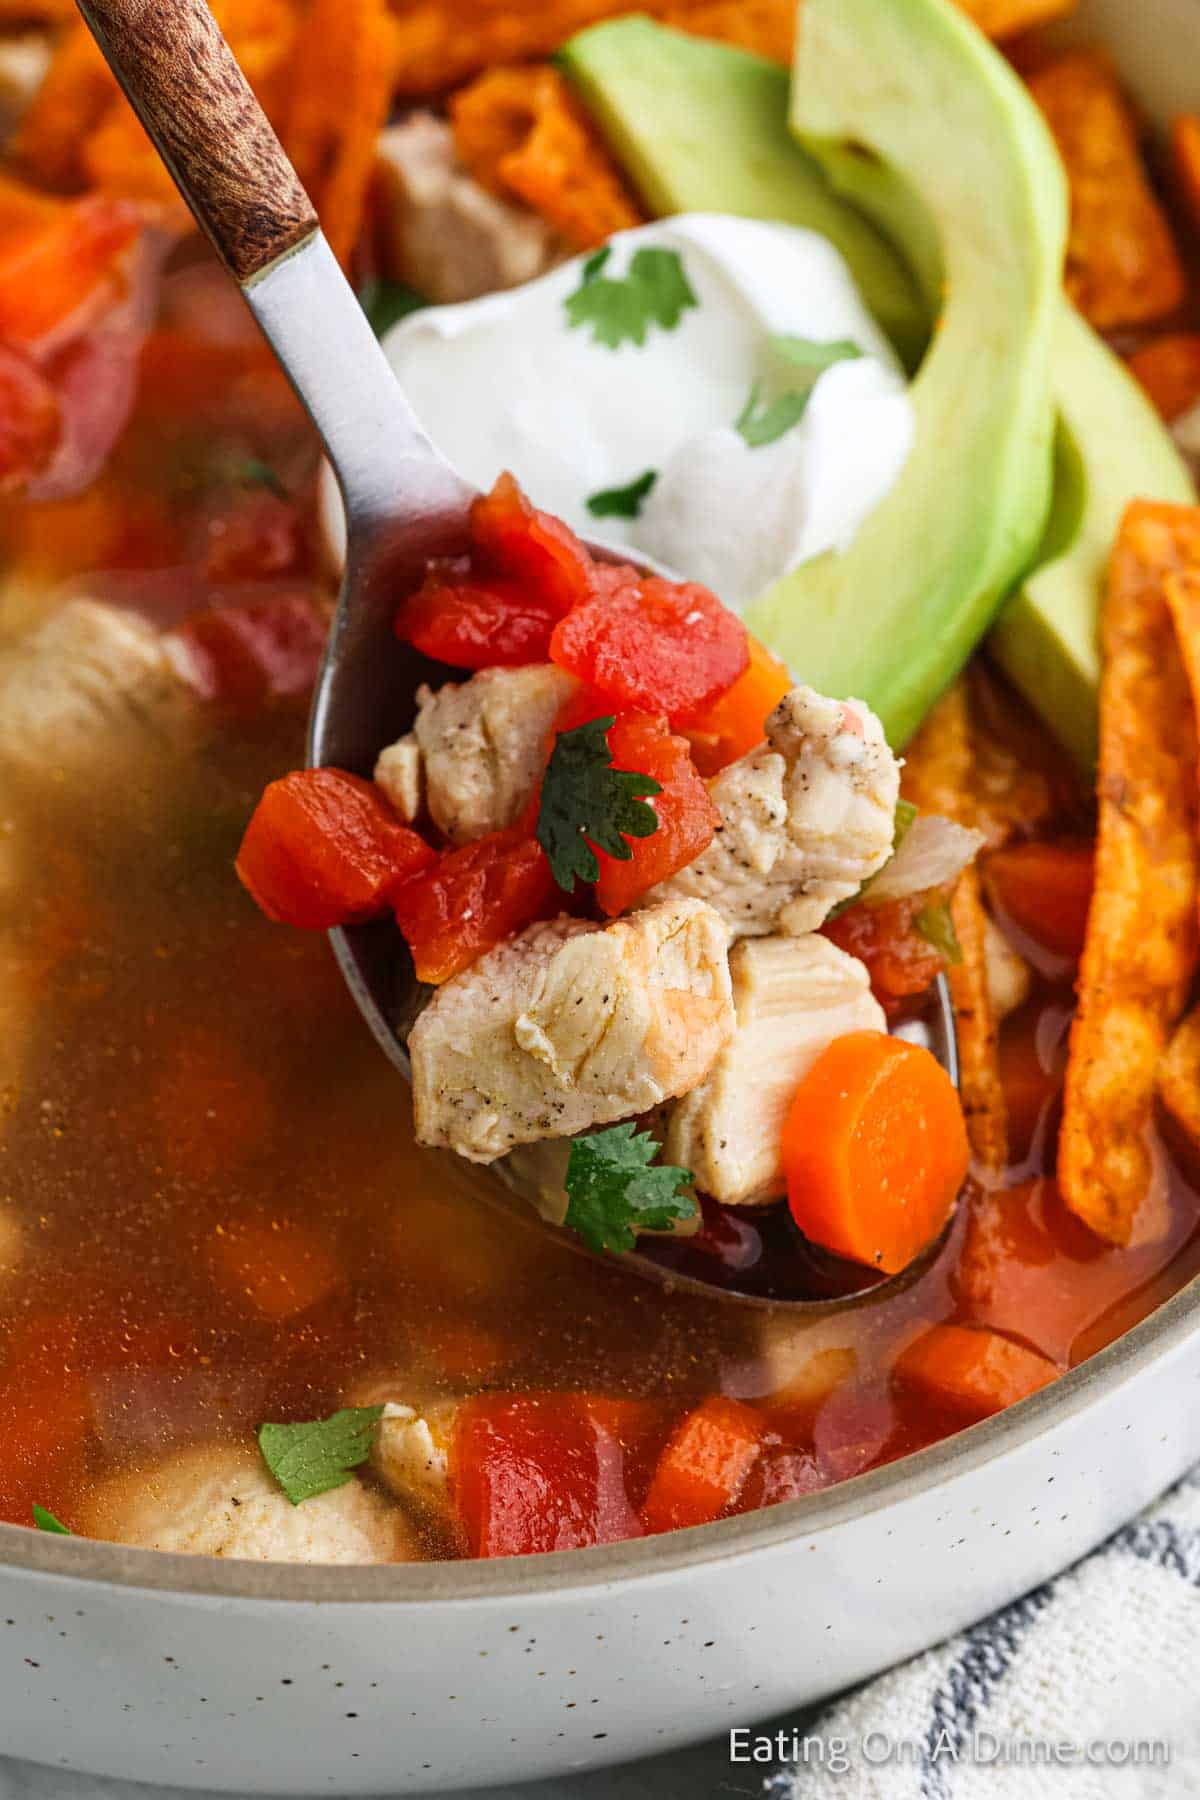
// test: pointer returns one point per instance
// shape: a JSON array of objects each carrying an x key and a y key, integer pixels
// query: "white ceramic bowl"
[{"x": 280, "y": 1679}]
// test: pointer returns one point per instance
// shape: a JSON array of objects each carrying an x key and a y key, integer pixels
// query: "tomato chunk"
[
  {"x": 705, "y": 1466},
  {"x": 477, "y": 623},
  {"x": 538, "y": 1472},
  {"x": 46, "y": 279},
  {"x": 733, "y": 726},
  {"x": 471, "y": 900},
  {"x": 653, "y": 645},
  {"x": 325, "y": 849},
  {"x": 539, "y": 552},
  {"x": 1046, "y": 890},
  {"x": 687, "y": 816},
  {"x": 30, "y": 421},
  {"x": 899, "y": 960},
  {"x": 268, "y": 648}
]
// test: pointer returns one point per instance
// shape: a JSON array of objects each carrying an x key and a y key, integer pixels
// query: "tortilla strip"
[
  {"x": 1122, "y": 264},
  {"x": 1185, "y": 159},
  {"x": 1179, "y": 1079},
  {"x": 1140, "y": 952},
  {"x": 1002, "y": 19},
  {"x": 937, "y": 778},
  {"x": 1169, "y": 370}
]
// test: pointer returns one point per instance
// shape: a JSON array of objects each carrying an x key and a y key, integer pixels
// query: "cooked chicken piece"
[
  {"x": 572, "y": 1025},
  {"x": 444, "y": 234},
  {"x": 806, "y": 820},
  {"x": 23, "y": 64},
  {"x": 220, "y": 1500},
  {"x": 412, "y": 1452},
  {"x": 792, "y": 997},
  {"x": 91, "y": 684},
  {"x": 1009, "y": 977},
  {"x": 482, "y": 747}
]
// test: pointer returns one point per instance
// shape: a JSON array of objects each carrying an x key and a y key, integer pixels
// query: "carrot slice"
[
  {"x": 972, "y": 1372},
  {"x": 734, "y": 724},
  {"x": 875, "y": 1150},
  {"x": 1046, "y": 890},
  {"x": 1140, "y": 952},
  {"x": 1169, "y": 370},
  {"x": 705, "y": 1466},
  {"x": 278, "y": 1267}
]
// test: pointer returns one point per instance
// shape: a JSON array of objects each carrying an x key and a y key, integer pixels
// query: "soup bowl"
[{"x": 285, "y": 1679}]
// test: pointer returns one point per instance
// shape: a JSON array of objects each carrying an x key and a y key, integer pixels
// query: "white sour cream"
[{"x": 506, "y": 382}]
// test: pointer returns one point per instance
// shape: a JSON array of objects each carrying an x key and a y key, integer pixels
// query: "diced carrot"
[
  {"x": 1169, "y": 370},
  {"x": 471, "y": 900},
  {"x": 279, "y": 1267},
  {"x": 875, "y": 1150},
  {"x": 972, "y": 1372},
  {"x": 705, "y": 1466},
  {"x": 46, "y": 279},
  {"x": 733, "y": 725},
  {"x": 1045, "y": 889},
  {"x": 687, "y": 816}
]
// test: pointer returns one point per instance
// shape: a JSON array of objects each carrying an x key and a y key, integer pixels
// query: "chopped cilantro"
[
  {"x": 253, "y": 473},
  {"x": 313, "y": 1457},
  {"x": 763, "y": 422},
  {"x": 936, "y": 925},
  {"x": 622, "y": 502},
  {"x": 387, "y": 302},
  {"x": 46, "y": 1521},
  {"x": 806, "y": 353},
  {"x": 615, "y": 1188},
  {"x": 584, "y": 797},
  {"x": 621, "y": 310}
]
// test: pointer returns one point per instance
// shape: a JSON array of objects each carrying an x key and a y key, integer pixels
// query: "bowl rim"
[{"x": 98, "y": 1563}]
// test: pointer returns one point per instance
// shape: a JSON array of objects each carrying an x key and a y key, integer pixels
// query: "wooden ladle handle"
[{"x": 182, "y": 81}]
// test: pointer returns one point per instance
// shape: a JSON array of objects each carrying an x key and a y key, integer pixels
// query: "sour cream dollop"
[{"x": 509, "y": 382}]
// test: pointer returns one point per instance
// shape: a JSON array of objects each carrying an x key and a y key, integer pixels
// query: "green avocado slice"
[
  {"x": 893, "y": 618},
  {"x": 701, "y": 127}
]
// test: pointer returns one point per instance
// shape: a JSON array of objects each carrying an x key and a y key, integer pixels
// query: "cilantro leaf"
[
  {"x": 807, "y": 353},
  {"x": 253, "y": 473},
  {"x": 936, "y": 925},
  {"x": 763, "y": 422},
  {"x": 387, "y": 302},
  {"x": 584, "y": 797},
  {"x": 313, "y": 1457},
  {"x": 614, "y": 1187},
  {"x": 621, "y": 309},
  {"x": 622, "y": 502},
  {"x": 46, "y": 1521}
]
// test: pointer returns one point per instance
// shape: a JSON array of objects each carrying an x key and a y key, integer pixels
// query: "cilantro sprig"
[
  {"x": 766, "y": 421},
  {"x": 45, "y": 1520},
  {"x": 621, "y": 309},
  {"x": 319, "y": 1454},
  {"x": 586, "y": 801},
  {"x": 810, "y": 354},
  {"x": 622, "y": 502},
  {"x": 615, "y": 1188},
  {"x": 387, "y": 302}
]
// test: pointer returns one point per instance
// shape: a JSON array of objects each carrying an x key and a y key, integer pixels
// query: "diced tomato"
[
  {"x": 325, "y": 849},
  {"x": 267, "y": 648},
  {"x": 733, "y": 726},
  {"x": 705, "y": 1466},
  {"x": 471, "y": 900},
  {"x": 540, "y": 553},
  {"x": 1046, "y": 891},
  {"x": 781, "y": 1474},
  {"x": 474, "y": 622},
  {"x": 258, "y": 536},
  {"x": 653, "y": 645},
  {"x": 851, "y": 1430},
  {"x": 899, "y": 960},
  {"x": 687, "y": 816},
  {"x": 538, "y": 1472},
  {"x": 30, "y": 421},
  {"x": 47, "y": 278}
]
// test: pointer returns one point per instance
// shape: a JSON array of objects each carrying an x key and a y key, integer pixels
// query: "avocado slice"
[
  {"x": 701, "y": 127},
  {"x": 1112, "y": 448}
]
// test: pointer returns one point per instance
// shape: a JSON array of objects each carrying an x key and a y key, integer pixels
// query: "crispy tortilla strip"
[
  {"x": 1169, "y": 370},
  {"x": 1140, "y": 953},
  {"x": 341, "y": 80},
  {"x": 118, "y": 158},
  {"x": 78, "y": 91},
  {"x": 1122, "y": 264},
  {"x": 38, "y": 12},
  {"x": 1185, "y": 160},
  {"x": 1179, "y": 1079},
  {"x": 1002, "y": 19},
  {"x": 520, "y": 133},
  {"x": 1183, "y": 598},
  {"x": 938, "y": 778}
]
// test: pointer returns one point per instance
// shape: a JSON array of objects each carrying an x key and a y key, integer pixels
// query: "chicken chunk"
[
  {"x": 412, "y": 1453},
  {"x": 1009, "y": 976},
  {"x": 481, "y": 748},
  {"x": 572, "y": 1025},
  {"x": 805, "y": 820},
  {"x": 90, "y": 687},
  {"x": 24, "y": 61},
  {"x": 793, "y": 997},
  {"x": 445, "y": 234},
  {"x": 220, "y": 1500}
]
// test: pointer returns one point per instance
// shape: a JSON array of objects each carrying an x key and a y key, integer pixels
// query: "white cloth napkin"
[{"x": 1105, "y": 1656}]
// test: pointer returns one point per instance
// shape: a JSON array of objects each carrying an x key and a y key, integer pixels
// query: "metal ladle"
[{"x": 403, "y": 501}]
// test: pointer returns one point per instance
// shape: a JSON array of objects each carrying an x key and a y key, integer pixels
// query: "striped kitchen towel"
[{"x": 1086, "y": 1689}]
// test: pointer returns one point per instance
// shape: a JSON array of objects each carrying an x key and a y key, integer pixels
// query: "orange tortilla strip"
[
  {"x": 1122, "y": 264},
  {"x": 938, "y": 772},
  {"x": 1169, "y": 370},
  {"x": 1185, "y": 160},
  {"x": 1179, "y": 1079},
  {"x": 1140, "y": 954},
  {"x": 1002, "y": 19},
  {"x": 519, "y": 132}
]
